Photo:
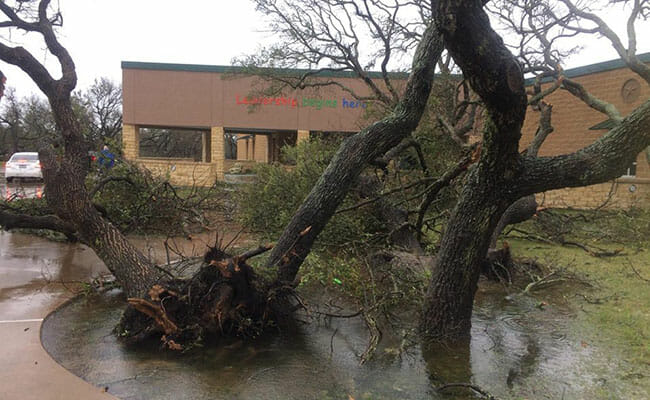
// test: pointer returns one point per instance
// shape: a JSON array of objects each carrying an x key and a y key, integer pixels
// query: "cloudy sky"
[{"x": 102, "y": 33}]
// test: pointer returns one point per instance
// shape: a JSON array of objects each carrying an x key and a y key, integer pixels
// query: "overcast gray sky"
[{"x": 101, "y": 33}]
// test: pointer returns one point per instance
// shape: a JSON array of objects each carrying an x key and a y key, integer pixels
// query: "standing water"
[{"x": 517, "y": 351}]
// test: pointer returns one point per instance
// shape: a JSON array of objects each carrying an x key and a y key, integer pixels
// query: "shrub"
[
  {"x": 138, "y": 201},
  {"x": 267, "y": 206}
]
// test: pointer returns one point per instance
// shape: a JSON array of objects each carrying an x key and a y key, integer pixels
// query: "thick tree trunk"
[
  {"x": 450, "y": 295},
  {"x": 68, "y": 198}
]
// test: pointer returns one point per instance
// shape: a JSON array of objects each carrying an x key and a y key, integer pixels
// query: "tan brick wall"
[
  {"x": 625, "y": 193},
  {"x": 302, "y": 135},
  {"x": 181, "y": 173},
  {"x": 572, "y": 119},
  {"x": 130, "y": 141},
  {"x": 261, "y": 148},
  {"x": 242, "y": 147},
  {"x": 218, "y": 151}
]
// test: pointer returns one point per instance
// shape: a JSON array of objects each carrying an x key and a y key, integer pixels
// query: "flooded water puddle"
[{"x": 518, "y": 350}]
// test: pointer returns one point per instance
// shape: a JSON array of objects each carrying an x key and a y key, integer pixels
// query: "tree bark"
[
  {"x": 450, "y": 295},
  {"x": 9, "y": 220},
  {"x": 68, "y": 197},
  {"x": 520, "y": 211}
]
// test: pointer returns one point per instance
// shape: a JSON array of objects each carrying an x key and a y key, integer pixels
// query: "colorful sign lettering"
[{"x": 292, "y": 102}]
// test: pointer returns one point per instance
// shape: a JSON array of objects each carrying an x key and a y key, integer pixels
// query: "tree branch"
[
  {"x": 592, "y": 101},
  {"x": 353, "y": 155},
  {"x": 599, "y": 162},
  {"x": 10, "y": 220},
  {"x": 493, "y": 72},
  {"x": 444, "y": 181}
]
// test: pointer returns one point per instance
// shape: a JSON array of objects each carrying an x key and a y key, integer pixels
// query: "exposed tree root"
[{"x": 223, "y": 298}]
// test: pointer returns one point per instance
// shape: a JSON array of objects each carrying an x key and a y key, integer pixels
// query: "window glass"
[
  {"x": 24, "y": 156},
  {"x": 631, "y": 170},
  {"x": 172, "y": 143}
]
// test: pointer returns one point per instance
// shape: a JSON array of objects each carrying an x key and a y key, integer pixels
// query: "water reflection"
[
  {"x": 22, "y": 190},
  {"x": 516, "y": 351},
  {"x": 36, "y": 274}
]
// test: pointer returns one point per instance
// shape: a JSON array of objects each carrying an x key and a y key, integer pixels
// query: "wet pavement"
[{"x": 36, "y": 276}]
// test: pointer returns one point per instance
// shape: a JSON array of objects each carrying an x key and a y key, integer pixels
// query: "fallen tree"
[{"x": 225, "y": 296}]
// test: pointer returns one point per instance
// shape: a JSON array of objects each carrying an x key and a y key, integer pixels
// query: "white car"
[{"x": 23, "y": 165}]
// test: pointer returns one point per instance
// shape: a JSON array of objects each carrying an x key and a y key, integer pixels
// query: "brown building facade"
[
  {"x": 237, "y": 126},
  {"x": 217, "y": 102}
]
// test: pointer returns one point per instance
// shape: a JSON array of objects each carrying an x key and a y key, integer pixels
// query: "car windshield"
[{"x": 24, "y": 157}]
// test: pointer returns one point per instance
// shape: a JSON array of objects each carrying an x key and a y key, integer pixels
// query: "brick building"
[
  {"x": 577, "y": 125},
  {"x": 233, "y": 126}
]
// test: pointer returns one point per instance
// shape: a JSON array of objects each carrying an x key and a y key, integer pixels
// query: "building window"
[
  {"x": 630, "y": 172},
  {"x": 185, "y": 144}
]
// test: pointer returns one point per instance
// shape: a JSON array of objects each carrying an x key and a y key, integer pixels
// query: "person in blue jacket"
[{"x": 106, "y": 158}]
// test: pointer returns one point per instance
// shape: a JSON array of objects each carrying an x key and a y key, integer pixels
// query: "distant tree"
[
  {"x": 103, "y": 104},
  {"x": 26, "y": 122},
  {"x": 12, "y": 123}
]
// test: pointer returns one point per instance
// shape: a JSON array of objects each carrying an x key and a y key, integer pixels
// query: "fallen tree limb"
[
  {"x": 10, "y": 220},
  {"x": 442, "y": 182},
  {"x": 255, "y": 252},
  {"x": 637, "y": 272},
  {"x": 593, "y": 251},
  {"x": 384, "y": 194},
  {"x": 382, "y": 162}
]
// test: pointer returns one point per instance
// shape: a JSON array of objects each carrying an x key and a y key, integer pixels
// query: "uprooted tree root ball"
[{"x": 224, "y": 298}]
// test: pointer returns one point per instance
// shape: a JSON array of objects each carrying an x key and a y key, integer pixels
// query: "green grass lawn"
[{"x": 615, "y": 307}]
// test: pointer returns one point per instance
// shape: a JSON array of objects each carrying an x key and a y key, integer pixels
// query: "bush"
[
  {"x": 138, "y": 201},
  {"x": 267, "y": 206}
]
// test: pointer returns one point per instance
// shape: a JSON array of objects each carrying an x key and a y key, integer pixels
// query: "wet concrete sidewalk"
[{"x": 36, "y": 276}]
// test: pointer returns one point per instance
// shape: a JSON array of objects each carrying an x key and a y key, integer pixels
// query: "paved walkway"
[{"x": 34, "y": 277}]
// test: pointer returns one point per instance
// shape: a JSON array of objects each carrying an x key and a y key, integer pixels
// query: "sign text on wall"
[{"x": 292, "y": 102}]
